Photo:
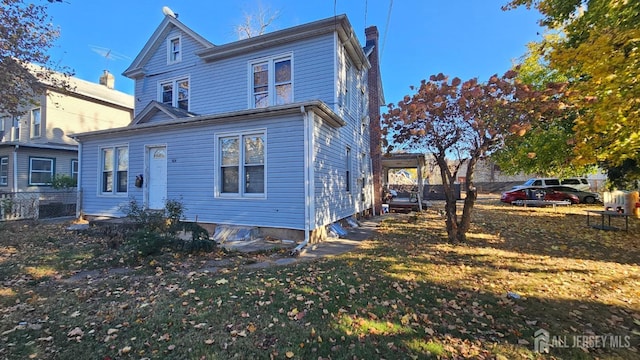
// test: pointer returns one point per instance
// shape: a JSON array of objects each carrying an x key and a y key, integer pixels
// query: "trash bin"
[
  {"x": 385, "y": 208},
  {"x": 625, "y": 202}
]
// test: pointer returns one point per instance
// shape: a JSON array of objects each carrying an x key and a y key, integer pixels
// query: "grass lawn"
[{"x": 404, "y": 294}]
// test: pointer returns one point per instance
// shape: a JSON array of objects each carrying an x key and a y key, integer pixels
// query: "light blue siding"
[
  {"x": 223, "y": 86},
  {"x": 191, "y": 173},
  {"x": 157, "y": 70}
]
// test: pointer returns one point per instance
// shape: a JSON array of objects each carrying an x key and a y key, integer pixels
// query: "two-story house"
[
  {"x": 34, "y": 146},
  {"x": 271, "y": 131}
]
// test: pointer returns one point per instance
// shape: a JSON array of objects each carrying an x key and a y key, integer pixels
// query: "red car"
[{"x": 537, "y": 194}]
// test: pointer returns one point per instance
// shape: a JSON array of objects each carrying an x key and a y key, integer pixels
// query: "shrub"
[
  {"x": 63, "y": 181},
  {"x": 155, "y": 229}
]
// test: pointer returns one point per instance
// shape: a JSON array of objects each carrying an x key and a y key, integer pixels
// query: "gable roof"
[
  {"x": 154, "y": 107},
  {"x": 136, "y": 69},
  {"x": 339, "y": 24}
]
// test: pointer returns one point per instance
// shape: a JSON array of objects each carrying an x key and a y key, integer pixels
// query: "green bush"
[
  {"x": 156, "y": 229},
  {"x": 63, "y": 181}
]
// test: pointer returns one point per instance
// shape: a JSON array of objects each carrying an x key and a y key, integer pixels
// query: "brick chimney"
[
  {"x": 376, "y": 100},
  {"x": 107, "y": 79}
]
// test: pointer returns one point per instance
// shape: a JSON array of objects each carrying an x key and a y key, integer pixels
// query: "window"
[
  {"x": 35, "y": 123},
  {"x": 16, "y": 128},
  {"x": 348, "y": 170},
  {"x": 174, "y": 50},
  {"x": 4, "y": 171},
  {"x": 2, "y": 128},
  {"x": 175, "y": 93},
  {"x": 74, "y": 170},
  {"x": 41, "y": 170},
  {"x": 115, "y": 167},
  {"x": 242, "y": 160},
  {"x": 348, "y": 84},
  {"x": 271, "y": 82}
]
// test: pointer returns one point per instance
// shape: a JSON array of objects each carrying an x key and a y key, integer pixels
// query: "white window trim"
[
  {"x": 77, "y": 172},
  {"x": 218, "y": 172},
  {"x": 113, "y": 192},
  {"x": 174, "y": 94},
  {"x": 33, "y": 124},
  {"x": 15, "y": 128},
  {"x": 52, "y": 172},
  {"x": 4, "y": 161},
  {"x": 170, "y": 50},
  {"x": 271, "y": 82}
]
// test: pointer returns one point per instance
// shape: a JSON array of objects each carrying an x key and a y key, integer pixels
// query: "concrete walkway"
[{"x": 327, "y": 248}]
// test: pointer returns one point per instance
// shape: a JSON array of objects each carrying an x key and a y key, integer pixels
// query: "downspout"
[
  {"x": 307, "y": 182},
  {"x": 372, "y": 187},
  {"x": 15, "y": 168},
  {"x": 79, "y": 181}
]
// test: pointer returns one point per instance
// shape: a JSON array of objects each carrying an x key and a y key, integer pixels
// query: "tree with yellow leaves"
[{"x": 599, "y": 54}]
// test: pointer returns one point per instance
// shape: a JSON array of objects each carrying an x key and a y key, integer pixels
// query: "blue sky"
[{"x": 464, "y": 38}]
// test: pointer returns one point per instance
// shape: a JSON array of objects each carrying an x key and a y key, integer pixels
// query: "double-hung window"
[
  {"x": 115, "y": 168},
  {"x": 175, "y": 93},
  {"x": 271, "y": 81},
  {"x": 16, "y": 128},
  {"x": 36, "y": 123},
  {"x": 242, "y": 164},
  {"x": 174, "y": 50},
  {"x": 41, "y": 170},
  {"x": 4, "y": 171},
  {"x": 74, "y": 170}
]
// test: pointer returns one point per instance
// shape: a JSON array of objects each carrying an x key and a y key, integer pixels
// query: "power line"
[
  {"x": 386, "y": 29},
  {"x": 365, "y": 14}
]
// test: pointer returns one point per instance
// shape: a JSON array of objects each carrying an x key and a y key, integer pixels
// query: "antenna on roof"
[
  {"x": 108, "y": 54},
  {"x": 168, "y": 12}
]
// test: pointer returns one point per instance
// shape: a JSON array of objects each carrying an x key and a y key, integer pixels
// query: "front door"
[{"x": 157, "y": 177}]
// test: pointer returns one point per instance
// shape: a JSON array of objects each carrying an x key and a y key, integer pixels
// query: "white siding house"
[{"x": 270, "y": 131}]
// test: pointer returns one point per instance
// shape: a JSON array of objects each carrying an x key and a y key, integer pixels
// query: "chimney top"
[{"x": 107, "y": 79}]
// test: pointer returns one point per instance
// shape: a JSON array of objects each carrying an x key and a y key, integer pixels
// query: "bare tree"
[
  {"x": 26, "y": 34},
  {"x": 256, "y": 22}
]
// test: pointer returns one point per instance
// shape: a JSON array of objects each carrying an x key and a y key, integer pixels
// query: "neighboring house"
[
  {"x": 35, "y": 146},
  {"x": 271, "y": 131}
]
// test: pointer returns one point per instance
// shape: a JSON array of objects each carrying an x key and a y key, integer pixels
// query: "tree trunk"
[
  {"x": 450, "y": 207},
  {"x": 469, "y": 201}
]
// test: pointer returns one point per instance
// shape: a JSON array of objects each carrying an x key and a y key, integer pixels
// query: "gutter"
[
  {"x": 78, "y": 187},
  {"x": 307, "y": 181},
  {"x": 15, "y": 168}
]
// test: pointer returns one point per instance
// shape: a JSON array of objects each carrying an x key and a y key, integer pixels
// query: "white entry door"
[{"x": 157, "y": 177}]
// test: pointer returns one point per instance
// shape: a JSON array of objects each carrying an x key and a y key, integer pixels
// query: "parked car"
[
  {"x": 578, "y": 183},
  {"x": 586, "y": 197},
  {"x": 537, "y": 193}
]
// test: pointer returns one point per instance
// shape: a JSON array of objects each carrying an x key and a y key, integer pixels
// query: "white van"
[{"x": 578, "y": 183}]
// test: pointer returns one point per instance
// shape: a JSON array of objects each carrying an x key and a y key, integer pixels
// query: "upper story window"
[
  {"x": 115, "y": 168},
  {"x": 242, "y": 164},
  {"x": 36, "y": 123},
  {"x": 41, "y": 170},
  {"x": 349, "y": 83},
  {"x": 15, "y": 134},
  {"x": 175, "y": 93},
  {"x": 2, "y": 128},
  {"x": 271, "y": 82},
  {"x": 174, "y": 50}
]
